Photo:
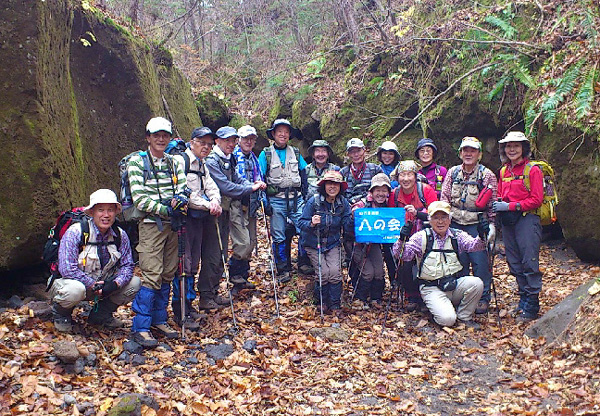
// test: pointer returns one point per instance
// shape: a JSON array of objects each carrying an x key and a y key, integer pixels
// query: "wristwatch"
[{"x": 518, "y": 206}]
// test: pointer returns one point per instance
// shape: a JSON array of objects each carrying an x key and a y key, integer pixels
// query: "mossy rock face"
[
  {"x": 213, "y": 111},
  {"x": 73, "y": 105}
]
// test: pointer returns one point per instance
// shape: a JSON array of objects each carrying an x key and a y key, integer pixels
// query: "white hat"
[
  {"x": 159, "y": 124},
  {"x": 355, "y": 142},
  {"x": 102, "y": 196},
  {"x": 470, "y": 142},
  {"x": 514, "y": 136},
  {"x": 246, "y": 131}
]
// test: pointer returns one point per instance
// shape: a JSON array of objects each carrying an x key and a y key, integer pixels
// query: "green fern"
[
  {"x": 585, "y": 95},
  {"x": 565, "y": 86},
  {"x": 498, "y": 88},
  {"x": 530, "y": 115},
  {"x": 509, "y": 32},
  {"x": 521, "y": 73}
]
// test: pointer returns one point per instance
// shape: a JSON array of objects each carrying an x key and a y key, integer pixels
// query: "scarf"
[{"x": 240, "y": 158}]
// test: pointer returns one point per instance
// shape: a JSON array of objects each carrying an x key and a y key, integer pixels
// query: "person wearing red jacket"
[
  {"x": 414, "y": 197},
  {"x": 521, "y": 229}
]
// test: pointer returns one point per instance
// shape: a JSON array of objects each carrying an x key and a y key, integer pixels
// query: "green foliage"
[
  {"x": 564, "y": 87},
  {"x": 585, "y": 96},
  {"x": 378, "y": 83},
  {"x": 315, "y": 66},
  {"x": 304, "y": 91},
  {"x": 508, "y": 31},
  {"x": 275, "y": 81},
  {"x": 293, "y": 295}
]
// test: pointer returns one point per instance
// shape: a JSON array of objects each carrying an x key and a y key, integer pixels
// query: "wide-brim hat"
[
  {"x": 320, "y": 143},
  {"x": 334, "y": 176},
  {"x": 426, "y": 142},
  {"x": 514, "y": 136},
  {"x": 438, "y": 206},
  {"x": 284, "y": 122},
  {"x": 102, "y": 196},
  {"x": 157, "y": 124},
  {"x": 381, "y": 179},
  {"x": 203, "y": 132}
]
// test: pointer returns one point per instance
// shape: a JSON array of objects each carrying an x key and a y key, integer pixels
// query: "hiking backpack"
[
  {"x": 429, "y": 246},
  {"x": 547, "y": 211},
  {"x": 129, "y": 211},
  {"x": 420, "y": 193},
  {"x": 63, "y": 222},
  {"x": 478, "y": 181}
]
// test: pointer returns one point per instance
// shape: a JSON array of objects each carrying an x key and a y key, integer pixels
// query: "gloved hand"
[
  {"x": 483, "y": 227},
  {"x": 405, "y": 231},
  {"x": 181, "y": 202},
  {"x": 491, "y": 234},
  {"x": 500, "y": 206},
  {"x": 109, "y": 288}
]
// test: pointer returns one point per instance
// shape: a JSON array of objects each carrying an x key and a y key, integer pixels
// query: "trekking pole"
[
  {"x": 271, "y": 257},
  {"x": 226, "y": 270},
  {"x": 389, "y": 305},
  {"x": 490, "y": 247},
  {"x": 182, "y": 276},
  {"x": 320, "y": 273}
]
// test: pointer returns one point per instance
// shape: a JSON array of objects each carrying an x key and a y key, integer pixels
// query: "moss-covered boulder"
[
  {"x": 213, "y": 111},
  {"x": 76, "y": 98}
]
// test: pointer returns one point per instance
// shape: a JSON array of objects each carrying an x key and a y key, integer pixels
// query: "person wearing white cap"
[
  {"x": 461, "y": 188},
  {"x": 158, "y": 190},
  {"x": 388, "y": 156},
  {"x": 521, "y": 190},
  {"x": 247, "y": 167},
  {"x": 284, "y": 169},
  {"x": 448, "y": 294},
  {"x": 102, "y": 267}
]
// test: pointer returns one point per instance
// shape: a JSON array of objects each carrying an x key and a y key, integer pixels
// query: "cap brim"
[{"x": 88, "y": 210}]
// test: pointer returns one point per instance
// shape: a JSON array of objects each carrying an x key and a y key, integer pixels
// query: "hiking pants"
[
  {"x": 252, "y": 231},
  {"x": 331, "y": 266},
  {"x": 280, "y": 215},
  {"x": 211, "y": 269},
  {"x": 464, "y": 298},
  {"x": 373, "y": 264},
  {"x": 239, "y": 231},
  {"x": 69, "y": 292},
  {"x": 478, "y": 260},
  {"x": 522, "y": 246},
  {"x": 158, "y": 254}
]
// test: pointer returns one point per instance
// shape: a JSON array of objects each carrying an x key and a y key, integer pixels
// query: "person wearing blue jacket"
[{"x": 325, "y": 216}]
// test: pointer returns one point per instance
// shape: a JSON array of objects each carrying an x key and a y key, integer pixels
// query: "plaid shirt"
[
  {"x": 68, "y": 256},
  {"x": 414, "y": 246}
]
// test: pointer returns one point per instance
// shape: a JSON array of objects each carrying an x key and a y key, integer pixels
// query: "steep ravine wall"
[{"x": 77, "y": 92}]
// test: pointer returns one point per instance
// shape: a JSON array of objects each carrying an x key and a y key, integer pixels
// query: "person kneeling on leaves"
[
  {"x": 324, "y": 217},
  {"x": 440, "y": 284},
  {"x": 100, "y": 270}
]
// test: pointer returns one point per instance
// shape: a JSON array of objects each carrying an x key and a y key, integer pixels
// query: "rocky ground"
[{"x": 298, "y": 365}]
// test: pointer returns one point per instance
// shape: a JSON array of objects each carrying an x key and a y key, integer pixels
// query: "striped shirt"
[{"x": 166, "y": 178}]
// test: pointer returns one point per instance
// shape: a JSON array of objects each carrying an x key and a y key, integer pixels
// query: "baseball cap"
[
  {"x": 470, "y": 142},
  {"x": 438, "y": 206},
  {"x": 246, "y": 131},
  {"x": 201, "y": 132},
  {"x": 226, "y": 132},
  {"x": 355, "y": 142},
  {"x": 157, "y": 124}
]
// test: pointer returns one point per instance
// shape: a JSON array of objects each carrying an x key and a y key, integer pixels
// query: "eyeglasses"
[
  {"x": 426, "y": 149},
  {"x": 202, "y": 144}
]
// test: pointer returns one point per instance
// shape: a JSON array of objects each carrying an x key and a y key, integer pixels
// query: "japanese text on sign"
[{"x": 378, "y": 225}]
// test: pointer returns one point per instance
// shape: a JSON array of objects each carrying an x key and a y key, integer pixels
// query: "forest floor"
[{"x": 290, "y": 365}]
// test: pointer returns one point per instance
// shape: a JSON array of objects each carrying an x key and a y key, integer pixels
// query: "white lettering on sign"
[
  {"x": 394, "y": 225},
  {"x": 379, "y": 224},
  {"x": 363, "y": 223}
]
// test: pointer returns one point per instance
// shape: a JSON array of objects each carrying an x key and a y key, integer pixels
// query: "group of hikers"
[{"x": 190, "y": 205}]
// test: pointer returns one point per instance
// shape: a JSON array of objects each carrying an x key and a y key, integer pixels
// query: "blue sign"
[{"x": 378, "y": 225}]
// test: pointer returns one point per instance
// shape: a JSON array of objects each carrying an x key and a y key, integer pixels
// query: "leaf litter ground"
[{"x": 414, "y": 368}]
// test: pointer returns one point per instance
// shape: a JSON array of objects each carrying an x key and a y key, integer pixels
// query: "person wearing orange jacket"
[
  {"x": 414, "y": 197},
  {"x": 521, "y": 229}
]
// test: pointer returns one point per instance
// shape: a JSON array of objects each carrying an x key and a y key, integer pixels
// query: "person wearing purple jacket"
[
  {"x": 102, "y": 269},
  {"x": 426, "y": 153}
]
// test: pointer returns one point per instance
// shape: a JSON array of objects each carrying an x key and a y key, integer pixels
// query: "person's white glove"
[{"x": 491, "y": 234}]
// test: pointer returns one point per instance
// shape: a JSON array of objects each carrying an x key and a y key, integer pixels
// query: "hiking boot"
[
  {"x": 165, "y": 330},
  {"x": 411, "y": 306},
  {"x": 221, "y": 300},
  {"x": 195, "y": 315},
  {"x": 360, "y": 305},
  {"x": 111, "y": 322},
  {"x": 482, "y": 307},
  {"x": 470, "y": 324},
  {"x": 248, "y": 285},
  {"x": 209, "y": 304},
  {"x": 103, "y": 315},
  {"x": 306, "y": 269},
  {"x": 238, "y": 279},
  {"x": 62, "y": 319},
  {"x": 284, "y": 277},
  {"x": 190, "y": 323},
  {"x": 525, "y": 317},
  {"x": 145, "y": 339}
]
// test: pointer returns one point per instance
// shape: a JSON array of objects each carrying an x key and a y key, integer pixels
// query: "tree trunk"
[
  {"x": 346, "y": 11},
  {"x": 134, "y": 10}
]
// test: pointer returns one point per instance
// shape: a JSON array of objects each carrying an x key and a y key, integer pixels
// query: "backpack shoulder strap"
[
  {"x": 428, "y": 248},
  {"x": 146, "y": 162},
  {"x": 396, "y": 193},
  {"x": 454, "y": 240},
  {"x": 85, "y": 233},
  {"x": 420, "y": 193},
  {"x": 118, "y": 237},
  {"x": 186, "y": 162},
  {"x": 526, "y": 172},
  {"x": 480, "y": 172},
  {"x": 454, "y": 174}
]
